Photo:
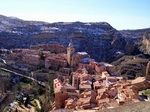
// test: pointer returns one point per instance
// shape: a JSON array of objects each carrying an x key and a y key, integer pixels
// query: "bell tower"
[{"x": 70, "y": 52}]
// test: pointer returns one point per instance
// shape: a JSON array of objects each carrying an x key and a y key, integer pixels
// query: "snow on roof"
[{"x": 82, "y": 53}]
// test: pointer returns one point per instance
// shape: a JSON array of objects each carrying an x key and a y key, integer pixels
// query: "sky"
[{"x": 121, "y": 14}]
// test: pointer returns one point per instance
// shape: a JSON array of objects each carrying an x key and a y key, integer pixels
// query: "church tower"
[{"x": 70, "y": 52}]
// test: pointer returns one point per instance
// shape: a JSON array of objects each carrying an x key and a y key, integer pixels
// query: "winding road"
[
  {"x": 12, "y": 70},
  {"x": 5, "y": 67}
]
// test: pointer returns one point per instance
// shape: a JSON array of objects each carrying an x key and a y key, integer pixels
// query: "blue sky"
[{"x": 121, "y": 14}]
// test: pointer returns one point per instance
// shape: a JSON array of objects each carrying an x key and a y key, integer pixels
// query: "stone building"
[
  {"x": 55, "y": 61},
  {"x": 70, "y": 52},
  {"x": 53, "y": 48},
  {"x": 31, "y": 59},
  {"x": 60, "y": 97},
  {"x": 73, "y": 58},
  {"x": 79, "y": 77}
]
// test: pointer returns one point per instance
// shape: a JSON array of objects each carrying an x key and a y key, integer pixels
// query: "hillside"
[
  {"x": 9, "y": 23},
  {"x": 131, "y": 66},
  {"x": 137, "y": 34},
  {"x": 136, "y": 107},
  {"x": 99, "y": 39}
]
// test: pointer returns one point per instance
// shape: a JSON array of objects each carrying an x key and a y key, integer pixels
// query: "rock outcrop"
[
  {"x": 131, "y": 66},
  {"x": 138, "y": 41},
  {"x": 145, "y": 44},
  {"x": 98, "y": 39}
]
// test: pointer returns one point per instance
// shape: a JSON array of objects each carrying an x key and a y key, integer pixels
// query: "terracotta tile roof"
[
  {"x": 138, "y": 80},
  {"x": 87, "y": 93},
  {"x": 85, "y": 86},
  {"x": 101, "y": 90},
  {"x": 103, "y": 100},
  {"x": 69, "y": 87},
  {"x": 69, "y": 101},
  {"x": 87, "y": 105},
  {"x": 84, "y": 82},
  {"x": 97, "y": 83},
  {"x": 85, "y": 100}
]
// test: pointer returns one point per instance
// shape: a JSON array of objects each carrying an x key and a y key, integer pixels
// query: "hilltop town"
[
  {"x": 74, "y": 56},
  {"x": 78, "y": 81}
]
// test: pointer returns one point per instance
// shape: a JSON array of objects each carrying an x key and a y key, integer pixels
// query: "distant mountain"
[
  {"x": 139, "y": 38},
  {"x": 99, "y": 39},
  {"x": 8, "y": 23},
  {"x": 134, "y": 34}
]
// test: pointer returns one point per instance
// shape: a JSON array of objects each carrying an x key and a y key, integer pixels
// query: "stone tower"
[
  {"x": 70, "y": 52},
  {"x": 75, "y": 81}
]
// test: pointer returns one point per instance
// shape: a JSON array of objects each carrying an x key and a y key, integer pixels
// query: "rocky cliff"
[
  {"x": 138, "y": 41},
  {"x": 145, "y": 43},
  {"x": 131, "y": 66},
  {"x": 99, "y": 39}
]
